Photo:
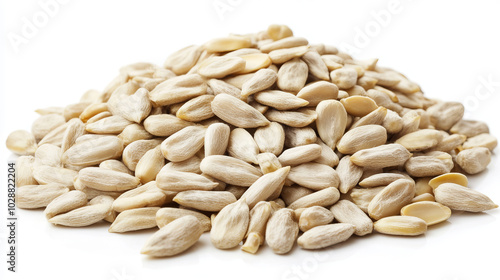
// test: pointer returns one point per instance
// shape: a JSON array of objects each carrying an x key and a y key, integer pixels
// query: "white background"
[{"x": 449, "y": 47}]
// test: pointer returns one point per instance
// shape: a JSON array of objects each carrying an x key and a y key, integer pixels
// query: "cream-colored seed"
[
  {"x": 230, "y": 170},
  {"x": 314, "y": 216},
  {"x": 391, "y": 199},
  {"x": 262, "y": 80},
  {"x": 134, "y": 219},
  {"x": 183, "y": 144},
  {"x": 325, "y": 197},
  {"x": 21, "y": 142},
  {"x": 37, "y": 196},
  {"x": 174, "y": 238},
  {"x": 362, "y": 137},
  {"x": 325, "y": 236},
  {"x": 401, "y": 225},
  {"x": 482, "y": 140},
  {"x": 211, "y": 201},
  {"x": 359, "y": 106},
  {"x": 346, "y": 211},
  {"x": 270, "y": 138},
  {"x": 242, "y": 146},
  {"x": 381, "y": 156},
  {"x": 458, "y": 197},
  {"x": 431, "y": 212},
  {"x": 456, "y": 178},
  {"x": 281, "y": 231},
  {"x": 237, "y": 112},
  {"x": 230, "y": 225},
  {"x": 216, "y": 139},
  {"x": 315, "y": 176},
  {"x": 166, "y": 215},
  {"x": 147, "y": 195},
  {"x": 349, "y": 174}
]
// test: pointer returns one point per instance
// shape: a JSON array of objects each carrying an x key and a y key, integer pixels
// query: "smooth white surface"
[{"x": 448, "y": 47}]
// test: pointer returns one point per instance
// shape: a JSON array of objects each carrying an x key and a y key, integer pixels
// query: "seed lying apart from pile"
[{"x": 253, "y": 138}]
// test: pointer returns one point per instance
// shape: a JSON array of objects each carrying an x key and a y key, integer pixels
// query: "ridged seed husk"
[
  {"x": 346, "y": 211},
  {"x": 97, "y": 209},
  {"x": 461, "y": 198},
  {"x": 94, "y": 151},
  {"x": 230, "y": 170},
  {"x": 325, "y": 236},
  {"x": 134, "y": 219},
  {"x": 281, "y": 231},
  {"x": 37, "y": 196},
  {"x": 230, "y": 225},
  {"x": 237, "y": 112},
  {"x": 391, "y": 199},
  {"x": 147, "y": 195},
  {"x": 212, "y": 201},
  {"x": 107, "y": 180},
  {"x": 178, "y": 181},
  {"x": 166, "y": 215}
]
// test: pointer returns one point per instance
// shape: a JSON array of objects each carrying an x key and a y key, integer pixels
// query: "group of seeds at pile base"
[{"x": 254, "y": 138}]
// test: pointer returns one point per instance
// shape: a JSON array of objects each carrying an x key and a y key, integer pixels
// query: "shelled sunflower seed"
[{"x": 253, "y": 138}]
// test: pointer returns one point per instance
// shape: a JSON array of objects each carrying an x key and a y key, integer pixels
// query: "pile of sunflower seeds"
[{"x": 257, "y": 138}]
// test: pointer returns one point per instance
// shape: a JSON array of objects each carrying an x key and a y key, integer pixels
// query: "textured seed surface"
[
  {"x": 166, "y": 215},
  {"x": 237, "y": 112},
  {"x": 325, "y": 236},
  {"x": 281, "y": 231},
  {"x": 458, "y": 197},
  {"x": 314, "y": 216},
  {"x": 391, "y": 199},
  {"x": 363, "y": 137},
  {"x": 230, "y": 225},
  {"x": 381, "y": 156},
  {"x": 346, "y": 211},
  {"x": 134, "y": 219},
  {"x": 174, "y": 238}
]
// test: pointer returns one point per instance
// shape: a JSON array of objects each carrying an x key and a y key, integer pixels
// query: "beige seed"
[
  {"x": 431, "y": 212},
  {"x": 280, "y": 100},
  {"x": 150, "y": 165},
  {"x": 50, "y": 110},
  {"x": 326, "y": 197},
  {"x": 289, "y": 194},
  {"x": 237, "y": 112},
  {"x": 97, "y": 209},
  {"x": 298, "y": 136},
  {"x": 189, "y": 165},
  {"x": 230, "y": 225},
  {"x": 300, "y": 154},
  {"x": 65, "y": 203},
  {"x": 421, "y": 140},
  {"x": 147, "y": 195},
  {"x": 331, "y": 122},
  {"x": 456, "y": 178},
  {"x": 386, "y": 79},
  {"x": 300, "y": 118},
  {"x": 270, "y": 138},
  {"x": 133, "y": 133},
  {"x": 75, "y": 128},
  {"x": 318, "y": 91},
  {"x": 45, "y": 124},
  {"x": 54, "y": 175},
  {"x": 220, "y": 67},
  {"x": 107, "y": 180},
  {"x": 446, "y": 114},
  {"x": 346, "y": 211},
  {"x": 349, "y": 174},
  {"x": 377, "y": 116},
  {"x": 391, "y": 199},
  {"x": 219, "y": 86},
  {"x": 108, "y": 125},
  {"x": 292, "y": 75},
  {"x": 196, "y": 109},
  {"x": 381, "y": 156},
  {"x": 401, "y": 225},
  {"x": 230, "y": 170},
  {"x": 216, "y": 139},
  {"x": 325, "y": 236},
  {"x": 289, "y": 42},
  {"x": 344, "y": 78},
  {"x": 212, "y": 201},
  {"x": 178, "y": 181},
  {"x": 134, "y": 108},
  {"x": 164, "y": 124},
  {"x": 359, "y": 106},
  {"x": 328, "y": 156},
  {"x": 49, "y": 155},
  {"x": 174, "y": 238},
  {"x": 242, "y": 146},
  {"x": 94, "y": 151},
  {"x": 184, "y": 59},
  {"x": 265, "y": 186},
  {"x": 24, "y": 171},
  {"x": 268, "y": 162},
  {"x": 474, "y": 160},
  {"x": 279, "y": 31},
  {"x": 281, "y": 231},
  {"x": 134, "y": 219},
  {"x": 314, "y": 216},
  {"x": 178, "y": 89},
  {"x": 227, "y": 44},
  {"x": 423, "y": 197},
  {"x": 469, "y": 128},
  {"x": 363, "y": 137},
  {"x": 381, "y": 179},
  {"x": 237, "y": 81},
  {"x": 429, "y": 164},
  {"x": 450, "y": 143},
  {"x": 259, "y": 215},
  {"x": 113, "y": 164},
  {"x": 362, "y": 197},
  {"x": 34, "y": 196},
  {"x": 21, "y": 142},
  {"x": 315, "y": 176},
  {"x": 254, "y": 62},
  {"x": 166, "y": 215},
  {"x": 461, "y": 198},
  {"x": 136, "y": 150},
  {"x": 482, "y": 140},
  {"x": 262, "y": 80},
  {"x": 184, "y": 143},
  {"x": 392, "y": 122},
  {"x": 283, "y": 55}
]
